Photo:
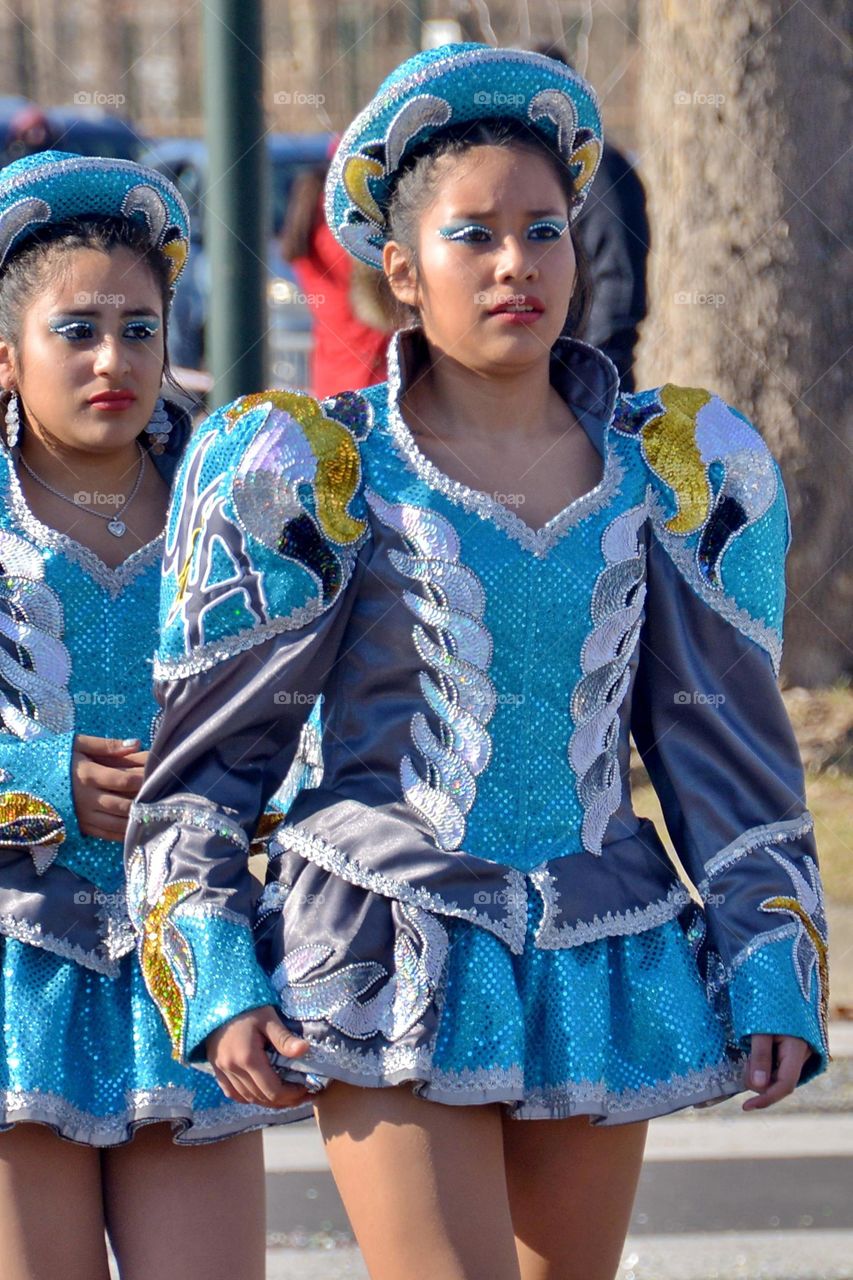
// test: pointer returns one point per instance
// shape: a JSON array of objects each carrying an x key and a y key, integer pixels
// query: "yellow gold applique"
[
  {"x": 27, "y": 820},
  {"x": 161, "y": 939},
  {"x": 356, "y": 172},
  {"x": 670, "y": 445},
  {"x": 586, "y": 156},
  {"x": 338, "y": 467},
  {"x": 176, "y": 251},
  {"x": 165, "y": 957}
]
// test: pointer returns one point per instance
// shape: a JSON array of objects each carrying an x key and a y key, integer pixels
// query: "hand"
[
  {"x": 105, "y": 776},
  {"x": 237, "y": 1053},
  {"x": 771, "y": 1083}
]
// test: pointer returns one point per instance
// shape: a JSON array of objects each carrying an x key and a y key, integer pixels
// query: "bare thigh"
[
  {"x": 51, "y": 1207},
  {"x": 423, "y": 1184},
  {"x": 186, "y": 1213},
  {"x": 571, "y": 1189}
]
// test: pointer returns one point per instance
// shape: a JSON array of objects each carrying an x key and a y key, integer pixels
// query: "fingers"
[
  {"x": 760, "y": 1062},
  {"x": 237, "y": 1053},
  {"x": 241, "y": 1090},
  {"x": 288, "y": 1044},
  {"x": 130, "y": 758},
  {"x": 102, "y": 777},
  {"x": 771, "y": 1085},
  {"x": 91, "y": 744},
  {"x": 104, "y": 827}
]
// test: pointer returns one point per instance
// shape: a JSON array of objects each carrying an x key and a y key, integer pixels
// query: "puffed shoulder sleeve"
[
  {"x": 36, "y": 710},
  {"x": 709, "y": 720},
  {"x": 262, "y": 546}
]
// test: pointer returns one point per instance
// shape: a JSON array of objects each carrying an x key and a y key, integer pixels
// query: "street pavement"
[{"x": 723, "y": 1195}]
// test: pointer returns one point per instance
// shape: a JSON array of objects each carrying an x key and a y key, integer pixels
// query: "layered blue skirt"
[
  {"x": 618, "y": 1029},
  {"x": 88, "y": 1055}
]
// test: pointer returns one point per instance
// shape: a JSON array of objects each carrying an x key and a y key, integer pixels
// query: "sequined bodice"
[{"x": 80, "y": 638}]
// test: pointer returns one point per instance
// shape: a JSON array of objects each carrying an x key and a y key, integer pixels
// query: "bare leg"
[
  {"x": 423, "y": 1184},
  {"x": 186, "y": 1213},
  {"x": 571, "y": 1187},
  {"x": 51, "y": 1211}
]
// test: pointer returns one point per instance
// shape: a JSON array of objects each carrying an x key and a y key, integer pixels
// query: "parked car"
[
  {"x": 92, "y": 132},
  {"x": 184, "y": 160},
  {"x": 88, "y": 131}
]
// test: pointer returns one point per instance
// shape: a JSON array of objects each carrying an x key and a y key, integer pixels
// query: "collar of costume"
[
  {"x": 584, "y": 376},
  {"x": 53, "y": 186},
  {"x": 443, "y": 88}
]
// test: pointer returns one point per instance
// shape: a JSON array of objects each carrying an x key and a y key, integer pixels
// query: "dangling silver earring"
[
  {"x": 159, "y": 427},
  {"x": 13, "y": 420}
]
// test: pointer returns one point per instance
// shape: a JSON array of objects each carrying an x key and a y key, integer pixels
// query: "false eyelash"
[
  {"x": 560, "y": 227},
  {"x": 64, "y": 329},
  {"x": 459, "y": 232},
  {"x": 148, "y": 329}
]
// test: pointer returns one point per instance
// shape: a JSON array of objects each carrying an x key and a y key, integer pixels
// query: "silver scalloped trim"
[
  {"x": 693, "y": 1088},
  {"x": 453, "y": 604},
  {"x": 190, "y": 815},
  {"x": 32, "y": 619},
  {"x": 170, "y": 1103},
  {"x": 605, "y": 659},
  {"x": 36, "y": 936},
  {"x": 538, "y": 541},
  {"x": 112, "y": 580},
  {"x": 614, "y": 924},
  {"x": 209, "y": 655},
  {"x": 755, "y": 837},
  {"x": 402, "y": 1065},
  {"x": 753, "y": 628},
  {"x": 511, "y": 930}
]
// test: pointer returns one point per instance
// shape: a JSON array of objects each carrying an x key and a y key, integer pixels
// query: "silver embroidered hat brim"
[
  {"x": 443, "y": 88},
  {"x": 53, "y": 187}
]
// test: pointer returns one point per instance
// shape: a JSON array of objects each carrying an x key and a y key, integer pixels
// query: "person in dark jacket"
[{"x": 614, "y": 232}]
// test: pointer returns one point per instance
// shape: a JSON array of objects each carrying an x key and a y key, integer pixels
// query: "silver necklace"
[{"x": 115, "y": 524}]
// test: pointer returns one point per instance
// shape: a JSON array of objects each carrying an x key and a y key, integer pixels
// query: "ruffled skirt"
[
  {"x": 618, "y": 1029},
  {"x": 89, "y": 1056}
]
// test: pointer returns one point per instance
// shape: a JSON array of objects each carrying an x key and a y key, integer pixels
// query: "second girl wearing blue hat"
[{"x": 91, "y": 1096}]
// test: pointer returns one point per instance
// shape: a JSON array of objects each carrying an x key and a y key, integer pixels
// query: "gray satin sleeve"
[
  {"x": 711, "y": 726},
  {"x": 226, "y": 738}
]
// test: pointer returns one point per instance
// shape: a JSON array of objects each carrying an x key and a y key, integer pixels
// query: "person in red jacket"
[{"x": 352, "y": 326}]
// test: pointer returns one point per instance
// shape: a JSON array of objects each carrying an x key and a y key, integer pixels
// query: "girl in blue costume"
[
  {"x": 479, "y": 578},
  {"x": 89, "y": 254}
]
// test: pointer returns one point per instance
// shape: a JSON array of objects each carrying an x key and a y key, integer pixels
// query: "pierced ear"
[
  {"x": 400, "y": 273},
  {"x": 8, "y": 370}
]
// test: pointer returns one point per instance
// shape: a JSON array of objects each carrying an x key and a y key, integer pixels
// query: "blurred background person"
[
  {"x": 613, "y": 229},
  {"x": 352, "y": 325}
]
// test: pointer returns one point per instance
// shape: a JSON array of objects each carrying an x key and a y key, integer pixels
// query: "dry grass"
[{"x": 829, "y": 798}]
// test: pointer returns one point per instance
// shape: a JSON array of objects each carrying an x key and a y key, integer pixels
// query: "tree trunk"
[{"x": 743, "y": 121}]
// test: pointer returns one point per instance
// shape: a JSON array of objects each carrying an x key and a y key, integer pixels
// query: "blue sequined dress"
[
  {"x": 84, "y": 1049},
  {"x": 460, "y": 894}
]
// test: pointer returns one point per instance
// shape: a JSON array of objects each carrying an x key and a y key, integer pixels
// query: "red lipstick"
[{"x": 112, "y": 401}]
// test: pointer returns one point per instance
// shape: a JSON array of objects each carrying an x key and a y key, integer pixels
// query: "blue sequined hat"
[
  {"x": 445, "y": 87},
  {"x": 53, "y": 186}
]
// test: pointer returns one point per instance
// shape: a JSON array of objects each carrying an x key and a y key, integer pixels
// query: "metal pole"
[{"x": 236, "y": 204}]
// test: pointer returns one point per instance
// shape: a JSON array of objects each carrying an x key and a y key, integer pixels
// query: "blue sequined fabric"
[
  {"x": 83, "y": 1049},
  {"x": 88, "y": 1055},
  {"x": 460, "y": 894}
]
